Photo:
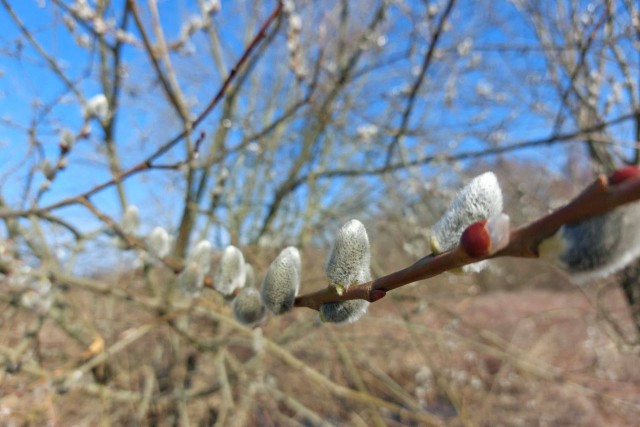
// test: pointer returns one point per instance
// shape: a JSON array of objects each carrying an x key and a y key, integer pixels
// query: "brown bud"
[
  {"x": 475, "y": 240},
  {"x": 623, "y": 174}
]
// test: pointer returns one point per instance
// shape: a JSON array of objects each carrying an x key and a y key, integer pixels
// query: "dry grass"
[{"x": 452, "y": 350}]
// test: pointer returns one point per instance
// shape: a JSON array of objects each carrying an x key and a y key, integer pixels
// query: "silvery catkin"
[
  {"x": 230, "y": 274},
  {"x": 280, "y": 285}
]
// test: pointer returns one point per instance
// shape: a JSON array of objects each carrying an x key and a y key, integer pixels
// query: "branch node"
[{"x": 376, "y": 295}]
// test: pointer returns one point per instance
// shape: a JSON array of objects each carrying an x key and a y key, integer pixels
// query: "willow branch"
[{"x": 600, "y": 197}]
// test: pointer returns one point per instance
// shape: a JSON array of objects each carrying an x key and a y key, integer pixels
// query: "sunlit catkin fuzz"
[
  {"x": 159, "y": 242},
  {"x": 596, "y": 247},
  {"x": 247, "y": 307},
  {"x": 280, "y": 285},
  {"x": 349, "y": 256},
  {"x": 499, "y": 228},
  {"x": 230, "y": 274},
  {"x": 346, "y": 311},
  {"x": 130, "y": 221},
  {"x": 191, "y": 279},
  {"x": 479, "y": 199}
]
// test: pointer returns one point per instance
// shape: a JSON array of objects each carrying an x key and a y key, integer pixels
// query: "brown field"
[{"x": 456, "y": 351}]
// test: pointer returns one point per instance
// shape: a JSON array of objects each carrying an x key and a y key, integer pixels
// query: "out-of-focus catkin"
[
  {"x": 248, "y": 308},
  {"x": 230, "y": 274}
]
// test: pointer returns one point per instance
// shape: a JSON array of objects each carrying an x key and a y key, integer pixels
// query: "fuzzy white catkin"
[
  {"x": 343, "y": 312},
  {"x": 293, "y": 253},
  {"x": 230, "y": 274},
  {"x": 201, "y": 255},
  {"x": 282, "y": 282},
  {"x": 247, "y": 307},
  {"x": 159, "y": 242},
  {"x": 480, "y": 199},
  {"x": 250, "y": 276},
  {"x": 130, "y": 220},
  {"x": 499, "y": 228},
  {"x": 98, "y": 106},
  {"x": 191, "y": 279},
  {"x": 596, "y": 247},
  {"x": 349, "y": 256},
  {"x": 349, "y": 262}
]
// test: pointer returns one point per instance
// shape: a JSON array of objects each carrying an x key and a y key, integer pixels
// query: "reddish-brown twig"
[{"x": 601, "y": 196}]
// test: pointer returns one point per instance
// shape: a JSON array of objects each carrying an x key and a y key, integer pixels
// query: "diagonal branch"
[
  {"x": 597, "y": 199},
  {"x": 406, "y": 114},
  {"x": 465, "y": 155}
]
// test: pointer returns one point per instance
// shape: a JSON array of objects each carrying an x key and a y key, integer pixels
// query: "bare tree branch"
[{"x": 406, "y": 114}]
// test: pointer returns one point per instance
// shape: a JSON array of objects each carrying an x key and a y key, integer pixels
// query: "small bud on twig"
[
  {"x": 486, "y": 237},
  {"x": 475, "y": 240}
]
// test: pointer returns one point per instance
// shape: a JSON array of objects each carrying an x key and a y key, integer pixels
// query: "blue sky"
[{"x": 468, "y": 122}]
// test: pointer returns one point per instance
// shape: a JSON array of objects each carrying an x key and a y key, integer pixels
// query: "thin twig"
[
  {"x": 444, "y": 158},
  {"x": 148, "y": 162},
  {"x": 406, "y": 114}
]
